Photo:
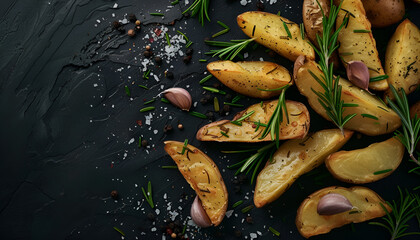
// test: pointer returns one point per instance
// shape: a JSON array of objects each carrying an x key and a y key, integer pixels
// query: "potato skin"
[
  {"x": 387, "y": 122},
  {"x": 312, "y": 17},
  {"x": 294, "y": 158},
  {"x": 246, "y": 77},
  {"x": 383, "y": 13},
  {"x": 297, "y": 128},
  {"x": 309, "y": 223},
  {"x": 359, "y": 46},
  {"x": 268, "y": 30},
  {"x": 202, "y": 174},
  {"x": 403, "y": 53},
  {"x": 415, "y": 109},
  {"x": 359, "y": 166}
]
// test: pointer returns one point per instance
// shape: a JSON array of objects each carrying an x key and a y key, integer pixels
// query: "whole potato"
[{"x": 382, "y": 13}]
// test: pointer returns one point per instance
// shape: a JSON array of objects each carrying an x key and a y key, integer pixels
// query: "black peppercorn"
[
  {"x": 147, "y": 53},
  {"x": 169, "y": 75},
  {"x": 203, "y": 101},
  {"x": 208, "y": 97},
  {"x": 158, "y": 60},
  {"x": 260, "y": 6},
  {"x": 180, "y": 126},
  {"x": 138, "y": 22},
  {"x": 226, "y": 109},
  {"x": 167, "y": 128},
  {"x": 116, "y": 25},
  {"x": 210, "y": 115},
  {"x": 189, "y": 51},
  {"x": 132, "y": 18},
  {"x": 249, "y": 220},
  {"x": 187, "y": 59},
  {"x": 228, "y": 97},
  {"x": 131, "y": 33},
  {"x": 217, "y": 85},
  {"x": 144, "y": 143},
  {"x": 238, "y": 233},
  {"x": 242, "y": 179},
  {"x": 151, "y": 216},
  {"x": 121, "y": 29},
  {"x": 114, "y": 194}
]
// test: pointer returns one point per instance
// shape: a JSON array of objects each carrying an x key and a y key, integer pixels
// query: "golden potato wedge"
[
  {"x": 297, "y": 127},
  {"x": 294, "y": 158},
  {"x": 312, "y": 17},
  {"x": 247, "y": 77},
  {"x": 369, "y": 106},
  {"x": 402, "y": 59},
  {"x": 383, "y": 13},
  {"x": 366, "y": 203},
  {"x": 359, "y": 46},
  {"x": 268, "y": 30},
  {"x": 203, "y": 176},
  {"x": 366, "y": 165}
]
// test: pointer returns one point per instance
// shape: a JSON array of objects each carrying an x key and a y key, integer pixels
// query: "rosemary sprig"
[
  {"x": 254, "y": 161},
  {"x": 119, "y": 230},
  {"x": 273, "y": 125},
  {"x": 231, "y": 49},
  {"x": 199, "y": 7},
  {"x": 157, "y": 14},
  {"x": 330, "y": 99},
  {"x": 233, "y": 104},
  {"x": 396, "y": 220},
  {"x": 410, "y": 136},
  {"x": 239, "y": 121},
  {"x": 274, "y": 231},
  {"x": 184, "y": 147},
  {"x": 148, "y": 195},
  {"x": 215, "y": 90}
]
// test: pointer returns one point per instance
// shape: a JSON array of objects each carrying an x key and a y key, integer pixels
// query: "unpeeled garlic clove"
[
  {"x": 179, "y": 97},
  {"x": 199, "y": 215},
  {"x": 333, "y": 203},
  {"x": 358, "y": 74}
]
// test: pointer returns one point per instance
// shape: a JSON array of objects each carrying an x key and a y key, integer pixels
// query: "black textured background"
[{"x": 66, "y": 123}]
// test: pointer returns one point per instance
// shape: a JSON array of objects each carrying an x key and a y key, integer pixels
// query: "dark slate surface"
[{"x": 66, "y": 124}]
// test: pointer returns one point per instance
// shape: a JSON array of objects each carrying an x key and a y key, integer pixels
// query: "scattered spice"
[
  {"x": 247, "y": 209},
  {"x": 146, "y": 109},
  {"x": 189, "y": 51},
  {"x": 260, "y": 6},
  {"x": 180, "y": 126},
  {"x": 158, "y": 60},
  {"x": 249, "y": 220},
  {"x": 114, "y": 194},
  {"x": 147, "y": 53},
  {"x": 144, "y": 143},
  {"x": 138, "y": 22},
  {"x": 186, "y": 59},
  {"x": 237, "y": 203},
  {"x": 116, "y": 24},
  {"x": 169, "y": 75},
  {"x": 167, "y": 128},
  {"x": 205, "y": 79},
  {"x": 132, "y": 17}
]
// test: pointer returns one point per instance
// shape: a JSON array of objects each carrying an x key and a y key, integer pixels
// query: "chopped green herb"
[
  {"x": 185, "y": 36},
  {"x": 278, "y": 13},
  {"x": 245, "y": 116},
  {"x": 287, "y": 30},
  {"x": 382, "y": 171},
  {"x": 202, "y": 60},
  {"x": 215, "y": 90},
  {"x": 167, "y": 39},
  {"x": 409, "y": 67},
  {"x": 146, "y": 74},
  {"x": 199, "y": 7},
  {"x": 369, "y": 116},
  {"x": 302, "y": 30},
  {"x": 224, "y": 134},
  {"x": 139, "y": 144},
  {"x": 146, "y": 109},
  {"x": 197, "y": 114},
  {"x": 184, "y": 147},
  {"x": 273, "y": 90},
  {"x": 361, "y": 31},
  {"x": 175, "y": 2},
  {"x": 170, "y": 167},
  {"x": 237, "y": 203},
  {"x": 142, "y": 86},
  {"x": 236, "y": 98},
  {"x": 247, "y": 209},
  {"x": 216, "y": 104},
  {"x": 119, "y": 230},
  {"x": 148, "y": 102},
  {"x": 346, "y": 54},
  {"x": 189, "y": 43},
  {"x": 157, "y": 14},
  {"x": 127, "y": 91},
  {"x": 233, "y": 104},
  {"x": 274, "y": 231},
  {"x": 378, "y": 78},
  {"x": 148, "y": 195},
  {"x": 230, "y": 49},
  {"x": 220, "y": 33},
  {"x": 223, "y": 25},
  {"x": 205, "y": 79},
  {"x": 164, "y": 100}
]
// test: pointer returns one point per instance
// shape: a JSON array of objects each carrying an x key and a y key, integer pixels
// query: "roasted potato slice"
[
  {"x": 250, "y": 132},
  {"x": 402, "y": 61},
  {"x": 366, "y": 165},
  {"x": 294, "y": 158},
  {"x": 203, "y": 176},
  {"x": 383, "y": 13},
  {"x": 247, "y": 77},
  {"x": 359, "y": 46},
  {"x": 268, "y": 30},
  {"x": 368, "y": 110},
  {"x": 366, "y": 203},
  {"x": 312, "y": 17}
]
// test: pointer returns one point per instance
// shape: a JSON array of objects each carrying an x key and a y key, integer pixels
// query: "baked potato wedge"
[
  {"x": 226, "y": 131},
  {"x": 402, "y": 59},
  {"x": 247, "y": 77},
  {"x": 415, "y": 110},
  {"x": 312, "y": 17},
  {"x": 357, "y": 43},
  {"x": 383, "y": 13},
  {"x": 366, "y": 203},
  {"x": 203, "y": 176},
  {"x": 268, "y": 30},
  {"x": 366, "y": 165},
  {"x": 369, "y": 108},
  {"x": 294, "y": 158}
]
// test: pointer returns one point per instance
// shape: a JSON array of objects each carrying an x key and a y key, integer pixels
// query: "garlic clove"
[
  {"x": 358, "y": 74},
  {"x": 333, "y": 203},
  {"x": 199, "y": 215},
  {"x": 179, "y": 97}
]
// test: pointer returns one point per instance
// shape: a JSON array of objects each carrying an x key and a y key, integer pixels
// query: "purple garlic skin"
[
  {"x": 358, "y": 74},
  {"x": 333, "y": 203},
  {"x": 199, "y": 215},
  {"x": 179, "y": 97}
]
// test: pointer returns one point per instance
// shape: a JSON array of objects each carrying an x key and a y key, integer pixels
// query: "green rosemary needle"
[
  {"x": 230, "y": 49},
  {"x": 199, "y": 7}
]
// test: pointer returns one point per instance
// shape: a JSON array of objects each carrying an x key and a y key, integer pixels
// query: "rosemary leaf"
[
  {"x": 146, "y": 109},
  {"x": 148, "y": 102},
  {"x": 274, "y": 231},
  {"x": 233, "y": 104},
  {"x": 287, "y": 30},
  {"x": 247, "y": 209},
  {"x": 127, "y": 91},
  {"x": 142, "y": 86},
  {"x": 205, "y": 79},
  {"x": 164, "y": 100},
  {"x": 361, "y": 31},
  {"x": 237, "y": 203},
  {"x": 184, "y": 147},
  {"x": 378, "y": 78},
  {"x": 224, "y": 134},
  {"x": 119, "y": 230},
  {"x": 382, "y": 171},
  {"x": 157, "y": 14},
  {"x": 167, "y": 39},
  {"x": 199, "y": 115},
  {"x": 170, "y": 167},
  {"x": 369, "y": 116}
]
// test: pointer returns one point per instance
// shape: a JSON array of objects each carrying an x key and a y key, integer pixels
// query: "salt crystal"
[
  {"x": 115, "y": 5},
  {"x": 153, "y": 229},
  {"x": 229, "y": 213},
  {"x": 155, "y": 131},
  {"x": 131, "y": 141},
  {"x": 253, "y": 235},
  {"x": 157, "y": 211}
]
